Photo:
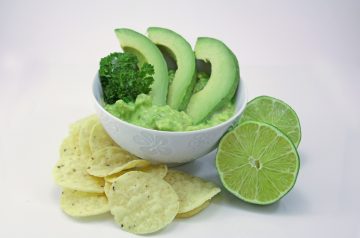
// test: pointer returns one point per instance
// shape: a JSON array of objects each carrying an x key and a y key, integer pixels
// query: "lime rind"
[
  {"x": 279, "y": 115},
  {"x": 236, "y": 172}
]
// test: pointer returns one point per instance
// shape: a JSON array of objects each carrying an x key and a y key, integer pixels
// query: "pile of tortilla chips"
[{"x": 98, "y": 176}]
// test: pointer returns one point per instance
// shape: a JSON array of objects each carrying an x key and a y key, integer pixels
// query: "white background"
[{"x": 304, "y": 52}]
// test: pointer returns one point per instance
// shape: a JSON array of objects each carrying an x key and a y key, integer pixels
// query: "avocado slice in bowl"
[
  {"x": 146, "y": 51},
  {"x": 223, "y": 81},
  {"x": 176, "y": 46}
]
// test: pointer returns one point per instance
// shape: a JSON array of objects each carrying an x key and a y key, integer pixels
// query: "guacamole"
[{"x": 143, "y": 113}]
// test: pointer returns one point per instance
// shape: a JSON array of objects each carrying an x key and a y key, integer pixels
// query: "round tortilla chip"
[
  {"x": 194, "y": 211},
  {"x": 99, "y": 138},
  {"x": 82, "y": 204},
  {"x": 142, "y": 203},
  {"x": 111, "y": 160},
  {"x": 69, "y": 147},
  {"x": 74, "y": 133},
  {"x": 75, "y": 126},
  {"x": 157, "y": 170},
  {"x": 71, "y": 144},
  {"x": 192, "y": 191},
  {"x": 70, "y": 172},
  {"x": 84, "y": 135},
  {"x": 107, "y": 188}
]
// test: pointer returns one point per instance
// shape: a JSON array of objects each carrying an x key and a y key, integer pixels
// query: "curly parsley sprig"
[{"x": 122, "y": 78}]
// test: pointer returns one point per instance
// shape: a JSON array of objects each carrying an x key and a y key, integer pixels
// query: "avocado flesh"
[
  {"x": 146, "y": 51},
  {"x": 223, "y": 80},
  {"x": 184, "y": 80}
]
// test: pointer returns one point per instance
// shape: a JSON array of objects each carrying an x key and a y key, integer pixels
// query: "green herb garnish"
[{"x": 122, "y": 78}]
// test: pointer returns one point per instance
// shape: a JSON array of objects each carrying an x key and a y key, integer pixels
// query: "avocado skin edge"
[
  {"x": 192, "y": 111},
  {"x": 180, "y": 91},
  {"x": 138, "y": 44}
]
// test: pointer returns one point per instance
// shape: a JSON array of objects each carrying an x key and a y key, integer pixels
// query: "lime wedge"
[
  {"x": 274, "y": 112},
  {"x": 257, "y": 163}
]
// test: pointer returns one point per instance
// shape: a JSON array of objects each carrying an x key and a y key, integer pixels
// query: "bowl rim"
[{"x": 200, "y": 131}]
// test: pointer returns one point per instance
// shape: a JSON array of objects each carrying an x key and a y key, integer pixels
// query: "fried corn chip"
[
  {"x": 84, "y": 135},
  {"x": 111, "y": 160},
  {"x": 69, "y": 147},
  {"x": 99, "y": 138},
  {"x": 107, "y": 188},
  {"x": 158, "y": 170},
  {"x": 82, "y": 204},
  {"x": 142, "y": 203},
  {"x": 194, "y": 211},
  {"x": 70, "y": 172},
  {"x": 74, "y": 133},
  {"x": 97, "y": 176},
  {"x": 192, "y": 191},
  {"x": 71, "y": 144}
]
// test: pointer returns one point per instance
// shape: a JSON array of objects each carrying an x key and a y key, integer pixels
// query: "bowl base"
[{"x": 173, "y": 165}]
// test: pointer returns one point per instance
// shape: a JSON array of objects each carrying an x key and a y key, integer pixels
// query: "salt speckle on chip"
[
  {"x": 70, "y": 172},
  {"x": 82, "y": 204},
  {"x": 99, "y": 138},
  {"x": 192, "y": 191},
  {"x": 142, "y": 203},
  {"x": 111, "y": 160}
]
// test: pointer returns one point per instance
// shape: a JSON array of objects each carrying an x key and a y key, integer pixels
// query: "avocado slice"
[
  {"x": 223, "y": 81},
  {"x": 180, "y": 50},
  {"x": 146, "y": 51}
]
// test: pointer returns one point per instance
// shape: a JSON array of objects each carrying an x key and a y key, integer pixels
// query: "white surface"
[{"x": 304, "y": 52}]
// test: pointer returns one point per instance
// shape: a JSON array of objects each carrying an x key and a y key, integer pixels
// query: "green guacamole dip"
[{"x": 164, "y": 118}]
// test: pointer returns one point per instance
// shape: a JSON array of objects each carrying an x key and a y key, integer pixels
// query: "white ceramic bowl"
[{"x": 164, "y": 146}]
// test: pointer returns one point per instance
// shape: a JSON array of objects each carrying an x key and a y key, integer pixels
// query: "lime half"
[
  {"x": 274, "y": 112},
  {"x": 257, "y": 162}
]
